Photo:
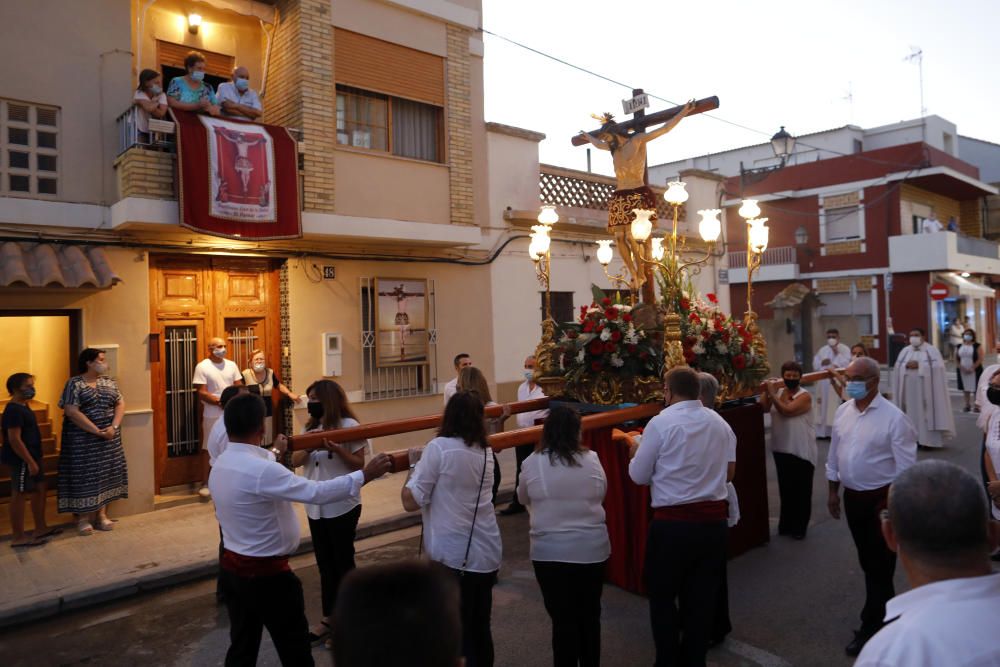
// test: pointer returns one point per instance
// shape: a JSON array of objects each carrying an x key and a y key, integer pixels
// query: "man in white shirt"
[
  {"x": 939, "y": 525},
  {"x": 527, "y": 391},
  {"x": 461, "y": 361},
  {"x": 253, "y": 495},
  {"x": 872, "y": 443},
  {"x": 920, "y": 389},
  {"x": 238, "y": 100},
  {"x": 686, "y": 456},
  {"x": 211, "y": 376},
  {"x": 932, "y": 225},
  {"x": 833, "y": 355}
]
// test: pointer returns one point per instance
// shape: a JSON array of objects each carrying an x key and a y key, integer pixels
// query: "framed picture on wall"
[{"x": 401, "y": 321}]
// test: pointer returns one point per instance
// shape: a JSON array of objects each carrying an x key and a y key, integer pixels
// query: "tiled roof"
[{"x": 28, "y": 264}]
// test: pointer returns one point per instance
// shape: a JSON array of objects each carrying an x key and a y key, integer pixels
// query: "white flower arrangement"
[
  {"x": 617, "y": 361},
  {"x": 606, "y": 335}
]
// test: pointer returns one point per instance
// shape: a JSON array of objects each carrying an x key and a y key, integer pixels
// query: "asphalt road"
[{"x": 791, "y": 603}]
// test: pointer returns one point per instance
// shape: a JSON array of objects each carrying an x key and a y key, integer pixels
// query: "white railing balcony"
[
  {"x": 778, "y": 263},
  {"x": 160, "y": 135},
  {"x": 943, "y": 251}
]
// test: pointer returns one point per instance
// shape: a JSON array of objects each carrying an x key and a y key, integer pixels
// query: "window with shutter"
[
  {"x": 29, "y": 143},
  {"x": 842, "y": 224}
]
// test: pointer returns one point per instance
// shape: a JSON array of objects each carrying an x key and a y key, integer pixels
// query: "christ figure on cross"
[
  {"x": 628, "y": 153},
  {"x": 242, "y": 141}
]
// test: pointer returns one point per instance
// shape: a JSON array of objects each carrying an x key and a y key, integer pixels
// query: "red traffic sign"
[{"x": 939, "y": 291}]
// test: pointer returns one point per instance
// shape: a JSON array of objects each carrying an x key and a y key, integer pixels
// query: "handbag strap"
[{"x": 475, "y": 512}]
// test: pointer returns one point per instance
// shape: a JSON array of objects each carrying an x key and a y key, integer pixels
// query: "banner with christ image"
[
  {"x": 401, "y": 322},
  {"x": 237, "y": 179}
]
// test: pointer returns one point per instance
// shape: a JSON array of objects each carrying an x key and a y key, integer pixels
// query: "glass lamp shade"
[
  {"x": 604, "y": 252},
  {"x": 676, "y": 193},
  {"x": 658, "y": 250},
  {"x": 547, "y": 215},
  {"x": 642, "y": 226},
  {"x": 710, "y": 226},
  {"x": 758, "y": 234},
  {"x": 782, "y": 143},
  {"x": 540, "y": 239},
  {"x": 749, "y": 210}
]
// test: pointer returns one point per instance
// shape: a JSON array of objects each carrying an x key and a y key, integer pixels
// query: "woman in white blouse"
[
  {"x": 472, "y": 379},
  {"x": 451, "y": 484},
  {"x": 332, "y": 526},
  {"x": 991, "y": 453},
  {"x": 563, "y": 486},
  {"x": 793, "y": 444}
]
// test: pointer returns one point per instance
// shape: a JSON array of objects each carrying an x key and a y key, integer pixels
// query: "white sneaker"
[{"x": 204, "y": 492}]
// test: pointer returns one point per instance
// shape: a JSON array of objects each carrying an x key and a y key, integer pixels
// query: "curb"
[{"x": 56, "y": 603}]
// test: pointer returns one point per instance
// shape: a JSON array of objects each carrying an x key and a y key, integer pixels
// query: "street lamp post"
[
  {"x": 757, "y": 238},
  {"x": 540, "y": 251}
]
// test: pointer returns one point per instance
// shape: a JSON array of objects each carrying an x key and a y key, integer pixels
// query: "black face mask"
[
  {"x": 792, "y": 384},
  {"x": 315, "y": 409},
  {"x": 993, "y": 395}
]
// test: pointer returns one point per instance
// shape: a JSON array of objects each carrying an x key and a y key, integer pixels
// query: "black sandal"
[{"x": 315, "y": 638}]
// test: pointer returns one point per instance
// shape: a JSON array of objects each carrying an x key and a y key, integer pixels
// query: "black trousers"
[
  {"x": 476, "y": 590},
  {"x": 877, "y": 561},
  {"x": 273, "y": 602},
  {"x": 333, "y": 544},
  {"x": 521, "y": 452},
  {"x": 685, "y": 566},
  {"x": 572, "y": 595},
  {"x": 795, "y": 484}
]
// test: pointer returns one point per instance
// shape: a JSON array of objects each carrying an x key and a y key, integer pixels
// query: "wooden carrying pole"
[
  {"x": 498, "y": 441},
  {"x": 700, "y": 106}
]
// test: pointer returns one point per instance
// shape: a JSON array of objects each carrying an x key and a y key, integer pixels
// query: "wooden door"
[{"x": 194, "y": 299}]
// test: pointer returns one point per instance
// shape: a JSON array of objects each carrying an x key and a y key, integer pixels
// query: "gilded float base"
[{"x": 608, "y": 389}]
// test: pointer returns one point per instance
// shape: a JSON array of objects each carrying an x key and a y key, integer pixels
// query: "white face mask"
[
  {"x": 915, "y": 341},
  {"x": 100, "y": 368},
  {"x": 967, "y": 338},
  {"x": 529, "y": 373},
  {"x": 219, "y": 352},
  {"x": 832, "y": 342},
  {"x": 258, "y": 365}
]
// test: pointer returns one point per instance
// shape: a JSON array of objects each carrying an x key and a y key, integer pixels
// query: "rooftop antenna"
[
  {"x": 917, "y": 54},
  {"x": 849, "y": 98}
]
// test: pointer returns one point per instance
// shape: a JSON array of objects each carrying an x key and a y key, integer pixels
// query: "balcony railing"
[
  {"x": 160, "y": 135},
  {"x": 580, "y": 189},
  {"x": 772, "y": 257},
  {"x": 971, "y": 245}
]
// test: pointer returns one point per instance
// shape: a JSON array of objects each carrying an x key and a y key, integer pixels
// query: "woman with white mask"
[
  {"x": 968, "y": 366},
  {"x": 267, "y": 381}
]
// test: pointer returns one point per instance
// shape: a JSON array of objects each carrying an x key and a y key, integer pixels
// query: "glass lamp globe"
[
  {"x": 710, "y": 226},
  {"x": 758, "y": 234},
  {"x": 540, "y": 238},
  {"x": 533, "y": 251},
  {"x": 604, "y": 252},
  {"x": 676, "y": 193},
  {"x": 658, "y": 249},
  {"x": 642, "y": 226},
  {"x": 749, "y": 209},
  {"x": 547, "y": 215}
]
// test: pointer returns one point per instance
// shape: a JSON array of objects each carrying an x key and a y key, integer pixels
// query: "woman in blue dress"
[
  {"x": 92, "y": 469},
  {"x": 190, "y": 92}
]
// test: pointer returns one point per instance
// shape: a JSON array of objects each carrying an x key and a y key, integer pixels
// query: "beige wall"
[
  {"x": 381, "y": 186},
  {"x": 391, "y": 24},
  {"x": 40, "y": 346},
  {"x": 78, "y": 60},
  {"x": 117, "y": 315},
  {"x": 464, "y": 324}
]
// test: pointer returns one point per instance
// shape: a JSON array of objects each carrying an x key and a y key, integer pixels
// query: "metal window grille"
[
  {"x": 182, "y": 397},
  {"x": 395, "y": 381},
  {"x": 242, "y": 342},
  {"x": 29, "y": 149}
]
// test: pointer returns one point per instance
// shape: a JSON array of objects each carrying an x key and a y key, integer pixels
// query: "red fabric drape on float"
[
  {"x": 629, "y": 513},
  {"x": 236, "y": 179}
]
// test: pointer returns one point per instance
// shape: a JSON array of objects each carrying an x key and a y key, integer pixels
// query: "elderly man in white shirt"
[
  {"x": 872, "y": 443},
  {"x": 938, "y": 524},
  {"x": 238, "y": 100},
  {"x": 451, "y": 388},
  {"x": 253, "y": 495},
  {"x": 686, "y": 456},
  {"x": 527, "y": 391}
]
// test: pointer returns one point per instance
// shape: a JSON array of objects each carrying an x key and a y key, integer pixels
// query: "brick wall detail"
[
  {"x": 458, "y": 131},
  {"x": 145, "y": 173}
]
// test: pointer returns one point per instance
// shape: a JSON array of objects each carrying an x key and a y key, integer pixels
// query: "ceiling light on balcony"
[
  {"x": 966, "y": 274},
  {"x": 194, "y": 21}
]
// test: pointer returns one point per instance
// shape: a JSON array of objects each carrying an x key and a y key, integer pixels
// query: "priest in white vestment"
[
  {"x": 920, "y": 390},
  {"x": 831, "y": 356}
]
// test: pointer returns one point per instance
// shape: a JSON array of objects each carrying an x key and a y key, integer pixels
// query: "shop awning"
[
  {"x": 966, "y": 287},
  {"x": 28, "y": 264}
]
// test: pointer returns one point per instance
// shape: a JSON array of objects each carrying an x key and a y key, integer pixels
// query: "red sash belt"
[
  {"x": 253, "y": 566},
  {"x": 705, "y": 510}
]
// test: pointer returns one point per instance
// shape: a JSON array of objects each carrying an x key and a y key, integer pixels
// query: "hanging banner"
[{"x": 237, "y": 179}]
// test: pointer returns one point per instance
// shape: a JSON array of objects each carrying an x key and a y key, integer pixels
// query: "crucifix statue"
[{"x": 626, "y": 142}]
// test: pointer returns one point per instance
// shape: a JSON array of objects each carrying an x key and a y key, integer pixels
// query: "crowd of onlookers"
[
  {"x": 190, "y": 92},
  {"x": 933, "y": 515}
]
